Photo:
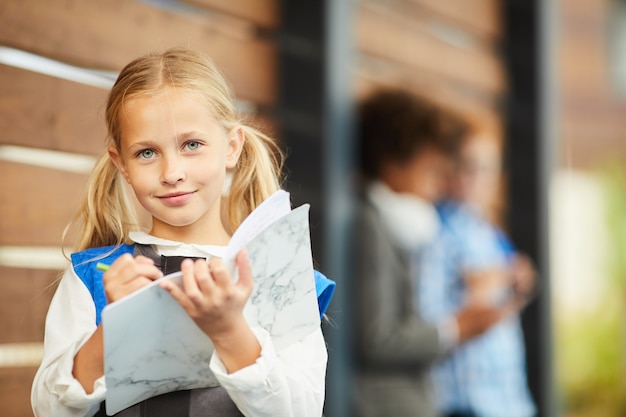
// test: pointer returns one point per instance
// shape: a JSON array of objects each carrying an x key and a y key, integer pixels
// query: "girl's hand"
[
  {"x": 127, "y": 274},
  {"x": 210, "y": 297},
  {"x": 216, "y": 304}
]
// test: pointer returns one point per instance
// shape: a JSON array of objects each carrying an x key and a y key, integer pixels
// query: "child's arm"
[
  {"x": 70, "y": 321},
  {"x": 290, "y": 382},
  {"x": 89, "y": 361},
  {"x": 125, "y": 275}
]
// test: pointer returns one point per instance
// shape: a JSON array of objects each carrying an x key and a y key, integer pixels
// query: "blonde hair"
[{"x": 107, "y": 213}]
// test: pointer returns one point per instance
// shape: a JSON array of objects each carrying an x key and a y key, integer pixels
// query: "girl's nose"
[{"x": 173, "y": 170}]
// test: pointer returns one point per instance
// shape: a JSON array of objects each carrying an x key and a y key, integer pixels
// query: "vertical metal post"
[
  {"x": 314, "y": 114},
  {"x": 338, "y": 156},
  {"x": 529, "y": 54},
  {"x": 548, "y": 143}
]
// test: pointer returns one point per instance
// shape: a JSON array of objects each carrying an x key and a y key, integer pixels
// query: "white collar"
[
  {"x": 173, "y": 248},
  {"x": 411, "y": 221}
]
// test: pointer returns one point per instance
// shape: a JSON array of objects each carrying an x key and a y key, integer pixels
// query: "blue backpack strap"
[
  {"x": 84, "y": 264},
  {"x": 325, "y": 288}
]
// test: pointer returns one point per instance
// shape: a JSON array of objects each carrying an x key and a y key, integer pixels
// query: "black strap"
[
  {"x": 167, "y": 264},
  {"x": 202, "y": 402}
]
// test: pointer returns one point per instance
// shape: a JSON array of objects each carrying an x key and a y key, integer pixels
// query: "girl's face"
[
  {"x": 175, "y": 155},
  {"x": 478, "y": 172}
]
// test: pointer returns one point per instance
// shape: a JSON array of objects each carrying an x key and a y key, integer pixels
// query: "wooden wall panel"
[
  {"x": 24, "y": 298},
  {"x": 261, "y": 12},
  {"x": 591, "y": 115},
  {"x": 15, "y": 392},
  {"x": 36, "y": 204},
  {"x": 50, "y": 113},
  {"x": 393, "y": 35},
  {"x": 447, "y": 51},
  {"x": 481, "y": 16},
  {"x": 584, "y": 66},
  {"x": 108, "y": 34},
  {"x": 592, "y": 133}
]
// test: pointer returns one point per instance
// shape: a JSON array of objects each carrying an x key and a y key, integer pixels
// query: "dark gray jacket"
[{"x": 394, "y": 346}]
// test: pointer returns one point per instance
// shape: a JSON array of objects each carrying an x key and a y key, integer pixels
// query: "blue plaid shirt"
[{"x": 484, "y": 376}]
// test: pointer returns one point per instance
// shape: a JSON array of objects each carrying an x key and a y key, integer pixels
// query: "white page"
[{"x": 270, "y": 210}]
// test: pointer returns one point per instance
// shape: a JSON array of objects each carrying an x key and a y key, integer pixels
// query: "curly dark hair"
[{"x": 395, "y": 124}]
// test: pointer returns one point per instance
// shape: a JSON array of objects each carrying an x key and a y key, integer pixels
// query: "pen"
[{"x": 102, "y": 267}]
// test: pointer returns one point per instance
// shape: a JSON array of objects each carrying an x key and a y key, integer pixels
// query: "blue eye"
[
  {"x": 146, "y": 154},
  {"x": 192, "y": 145}
]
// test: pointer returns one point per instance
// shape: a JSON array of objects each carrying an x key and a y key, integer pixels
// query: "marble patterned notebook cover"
[{"x": 153, "y": 347}]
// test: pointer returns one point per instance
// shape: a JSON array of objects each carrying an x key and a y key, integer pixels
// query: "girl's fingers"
[
  {"x": 126, "y": 268},
  {"x": 196, "y": 279},
  {"x": 119, "y": 265},
  {"x": 144, "y": 260},
  {"x": 136, "y": 284},
  {"x": 209, "y": 286},
  {"x": 178, "y": 294},
  {"x": 220, "y": 274},
  {"x": 188, "y": 270},
  {"x": 128, "y": 274},
  {"x": 209, "y": 296},
  {"x": 204, "y": 276},
  {"x": 148, "y": 271},
  {"x": 223, "y": 278},
  {"x": 245, "y": 271}
]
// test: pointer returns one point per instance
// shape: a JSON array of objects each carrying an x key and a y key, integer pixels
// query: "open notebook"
[{"x": 152, "y": 346}]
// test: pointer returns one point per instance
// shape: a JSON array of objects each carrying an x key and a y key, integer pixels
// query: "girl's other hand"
[
  {"x": 210, "y": 297},
  {"x": 127, "y": 274},
  {"x": 216, "y": 304}
]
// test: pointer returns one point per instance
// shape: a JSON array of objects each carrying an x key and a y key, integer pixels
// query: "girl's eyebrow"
[
  {"x": 190, "y": 135},
  {"x": 141, "y": 145}
]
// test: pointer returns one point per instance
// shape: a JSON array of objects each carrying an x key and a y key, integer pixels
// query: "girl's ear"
[
  {"x": 235, "y": 144},
  {"x": 118, "y": 161}
]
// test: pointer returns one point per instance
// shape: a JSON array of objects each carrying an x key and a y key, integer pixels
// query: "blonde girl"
[{"x": 196, "y": 172}]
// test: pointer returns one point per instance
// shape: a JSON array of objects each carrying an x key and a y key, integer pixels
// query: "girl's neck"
[{"x": 191, "y": 234}]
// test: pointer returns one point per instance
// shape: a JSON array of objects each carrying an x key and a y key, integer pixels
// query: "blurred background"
[{"x": 548, "y": 76}]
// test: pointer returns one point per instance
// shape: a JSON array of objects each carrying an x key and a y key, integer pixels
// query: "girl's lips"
[{"x": 175, "y": 199}]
